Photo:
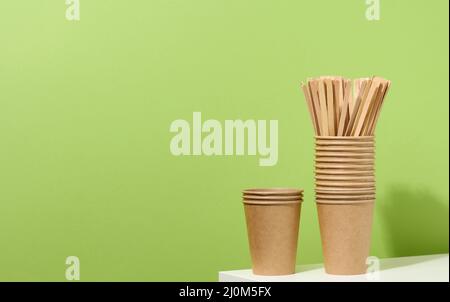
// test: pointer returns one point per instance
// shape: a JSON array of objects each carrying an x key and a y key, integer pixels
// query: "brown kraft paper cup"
[
  {"x": 272, "y": 225},
  {"x": 345, "y": 219},
  {"x": 345, "y": 231}
]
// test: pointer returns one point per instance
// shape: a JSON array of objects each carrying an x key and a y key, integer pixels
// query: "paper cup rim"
[
  {"x": 333, "y": 159},
  {"x": 349, "y": 197},
  {"x": 346, "y": 192},
  {"x": 366, "y": 184},
  {"x": 275, "y": 191},
  {"x": 345, "y": 189},
  {"x": 271, "y": 202},
  {"x": 332, "y": 177},
  {"x": 344, "y": 154},
  {"x": 341, "y": 166},
  {"x": 278, "y": 198},
  {"x": 340, "y": 190},
  {"x": 344, "y": 172},
  {"x": 344, "y": 202}
]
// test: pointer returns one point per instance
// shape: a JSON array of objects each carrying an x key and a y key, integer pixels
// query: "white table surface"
[{"x": 430, "y": 268}]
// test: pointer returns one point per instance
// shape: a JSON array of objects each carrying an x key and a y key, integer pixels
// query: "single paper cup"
[
  {"x": 272, "y": 224},
  {"x": 345, "y": 233}
]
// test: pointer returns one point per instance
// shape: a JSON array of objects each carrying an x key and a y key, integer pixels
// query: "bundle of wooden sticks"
[{"x": 340, "y": 107}]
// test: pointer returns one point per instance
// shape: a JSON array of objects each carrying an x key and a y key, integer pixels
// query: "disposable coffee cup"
[
  {"x": 345, "y": 231},
  {"x": 272, "y": 217},
  {"x": 345, "y": 194}
]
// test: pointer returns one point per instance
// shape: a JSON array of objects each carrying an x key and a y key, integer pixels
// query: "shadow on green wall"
[{"x": 416, "y": 222}]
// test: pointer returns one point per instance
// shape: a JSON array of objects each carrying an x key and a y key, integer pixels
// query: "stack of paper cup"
[
  {"x": 272, "y": 217},
  {"x": 345, "y": 193}
]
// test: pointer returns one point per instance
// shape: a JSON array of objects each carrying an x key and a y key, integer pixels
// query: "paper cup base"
[
  {"x": 273, "y": 234},
  {"x": 345, "y": 232}
]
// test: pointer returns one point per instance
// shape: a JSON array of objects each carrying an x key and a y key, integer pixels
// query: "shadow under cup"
[{"x": 272, "y": 217}]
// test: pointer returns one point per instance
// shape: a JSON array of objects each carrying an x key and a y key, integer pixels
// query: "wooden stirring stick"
[
  {"x": 323, "y": 107},
  {"x": 341, "y": 107},
  {"x": 307, "y": 94},
  {"x": 344, "y": 109},
  {"x": 362, "y": 91},
  {"x": 378, "y": 110},
  {"x": 355, "y": 92},
  {"x": 316, "y": 104},
  {"x": 363, "y": 97},
  {"x": 373, "y": 107},
  {"x": 365, "y": 103},
  {"x": 339, "y": 100},
  {"x": 330, "y": 105}
]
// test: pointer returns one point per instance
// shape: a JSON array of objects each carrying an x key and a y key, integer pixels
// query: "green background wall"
[{"x": 85, "y": 109}]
